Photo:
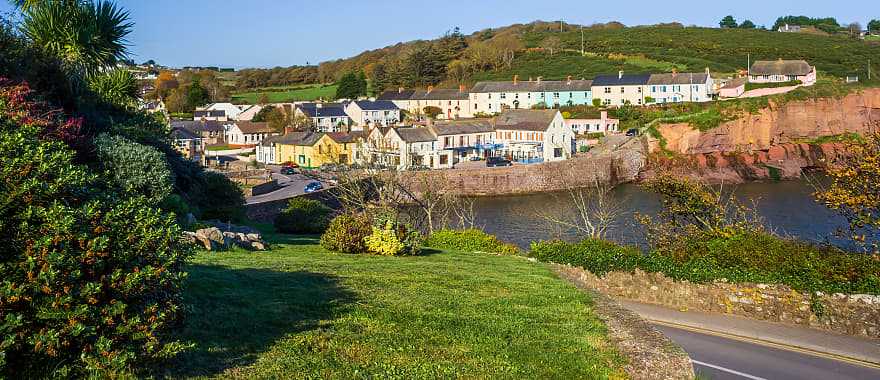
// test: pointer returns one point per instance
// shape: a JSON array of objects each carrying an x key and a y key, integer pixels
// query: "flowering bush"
[
  {"x": 89, "y": 278},
  {"x": 384, "y": 241}
]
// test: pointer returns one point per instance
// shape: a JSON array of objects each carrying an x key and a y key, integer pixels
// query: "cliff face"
[{"x": 767, "y": 144}]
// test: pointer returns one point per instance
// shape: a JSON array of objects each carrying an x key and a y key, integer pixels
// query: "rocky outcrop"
[
  {"x": 223, "y": 236},
  {"x": 769, "y": 144}
]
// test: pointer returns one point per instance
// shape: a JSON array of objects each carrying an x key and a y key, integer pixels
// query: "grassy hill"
[
  {"x": 286, "y": 94},
  {"x": 299, "y": 311}
]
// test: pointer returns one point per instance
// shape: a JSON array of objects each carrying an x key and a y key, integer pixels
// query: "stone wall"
[{"x": 857, "y": 315}]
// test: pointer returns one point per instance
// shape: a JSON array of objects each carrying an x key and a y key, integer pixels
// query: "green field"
[
  {"x": 287, "y": 94},
  {"x": 298, "y": 311}
]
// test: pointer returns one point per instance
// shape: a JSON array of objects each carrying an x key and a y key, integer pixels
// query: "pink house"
[
  {"x": 603, "y": 124},
  {"x": 782, "y": 71},
  {"x": 734, "y": 88}
]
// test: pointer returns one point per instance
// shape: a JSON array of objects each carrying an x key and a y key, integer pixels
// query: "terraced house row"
[{"x": 526, "y": 136}]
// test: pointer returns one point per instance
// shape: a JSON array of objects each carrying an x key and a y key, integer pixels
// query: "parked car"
[
  {"x": 475, "y": 158},
  {"x": 289, "y": 164},
  {"x": 497, "y": 161},
  {"x": 288, "y": 170},
  {"x": 313, "y": 187},
  {"x": 632, "y": 132}
]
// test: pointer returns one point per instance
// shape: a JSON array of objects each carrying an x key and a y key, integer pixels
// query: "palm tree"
[{"x": 88, "y": 37}]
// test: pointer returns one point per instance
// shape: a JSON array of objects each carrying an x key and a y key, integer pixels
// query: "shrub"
[
  {"x": 408, "y": 236},
  {"x": 221, "y": 199},
  {"x": 90, "y": 279},
  {"x": 384, "y": 241},
  {"x": 346, "y": 234},
  {"x": 469, "y": 240},
  {"x": 134, "y": 167},
  {"x": 596, "y": 256},
  {"x": 303, "y": 216}
]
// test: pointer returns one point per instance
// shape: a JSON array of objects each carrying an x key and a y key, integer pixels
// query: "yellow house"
[{"x": 311, "y": 150}]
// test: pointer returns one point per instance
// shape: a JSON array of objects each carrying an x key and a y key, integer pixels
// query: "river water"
[{"x": 786, "y": 208}]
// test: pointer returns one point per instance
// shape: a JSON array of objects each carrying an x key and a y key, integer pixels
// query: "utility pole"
[
  {"x": 749, "y": 67},
  {"x": 869, "y": 69},
  {"x": 582, "y": 41}
]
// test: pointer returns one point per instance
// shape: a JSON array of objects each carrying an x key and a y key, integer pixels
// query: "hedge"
[
  {"x": 469, "y": 240},
  {"x": 747, "y": 257}
]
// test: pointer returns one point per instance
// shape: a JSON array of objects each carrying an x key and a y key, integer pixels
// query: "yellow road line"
[{"x": 765, "y": 343}]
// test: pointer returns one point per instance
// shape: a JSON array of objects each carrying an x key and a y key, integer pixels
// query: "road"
[
  {"x": 291, "y": 186},
  {"x": 721, "y": 358}
]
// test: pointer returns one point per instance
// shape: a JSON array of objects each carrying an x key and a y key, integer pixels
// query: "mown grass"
[
  {"x": 295, "y": 93},
  {"x": 298, "y": 311}
]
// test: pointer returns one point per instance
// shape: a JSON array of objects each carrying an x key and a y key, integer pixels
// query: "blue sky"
[{"x": 267, "y": 33}]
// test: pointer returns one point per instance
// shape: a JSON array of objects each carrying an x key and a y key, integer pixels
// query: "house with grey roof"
[
  {"x": 366, "y": 114},
  {"x": 325, "y": 117},
  {"x": 533, "y": 136},
  {"x": 620, "y": 89},
  {"x": 780, "y": 71},
  {"x": 452, "y": 103},
  {"x": 678, "y": 87},
  {"x": 488, "y": 98},
  {"x": 247, "y": 133}
]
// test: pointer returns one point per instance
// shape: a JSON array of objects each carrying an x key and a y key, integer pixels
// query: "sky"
[{"x": 269, "y": 33}]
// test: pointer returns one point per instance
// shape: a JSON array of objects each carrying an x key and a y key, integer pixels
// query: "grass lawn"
[
  {"x": 215, "y": 148},
  {"x": 298, "y": 93},
  {"x": 299, "y": 311}
]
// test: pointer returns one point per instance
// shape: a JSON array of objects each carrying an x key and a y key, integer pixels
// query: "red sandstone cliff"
[{"x": 769, "y": 144}]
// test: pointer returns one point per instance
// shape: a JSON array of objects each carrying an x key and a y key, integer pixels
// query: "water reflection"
[{"x": 787, "y": 208}]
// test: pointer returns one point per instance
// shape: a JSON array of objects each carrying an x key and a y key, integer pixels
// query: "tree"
[
  {"x": 747, "y": 24},
  {"x": 853, "y": 192},
  {"x": 263, "y": 114},
  {"x": 552, "y": 43},
  {"x": 351, "y": 86},
  {"x": 874, "y": 26},
  {"x": 432, "y": 111},
  {"x": 86, "y": 36},
  {"x": 134, "y": 168},
  {"x": 590, "y": 212},
  {"x": 117, "y": 87},
  {"x": 165, "y": 82},
  {"x": 855, "y": 29},
  {"x": 728, "y": 22},
  {"x": 196, "y": 95}
]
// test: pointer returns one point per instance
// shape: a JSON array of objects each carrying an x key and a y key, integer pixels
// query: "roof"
[
  {"x": 212, "y": 113},
  {"x": 198, "y": 126},
  {"x": 533, "y": 86},
  {"x": 183, "y": 134},
  {"x": 678, "y": 78},
  {"x": 396, "y": 95},
  {"x": 734, "y": 83},
  {"x": 378, "y": 105},
  {"x": 439, "y": 94},
  {"x": 345, "y": 137},
  {"x": 297, "y": 138},
  {"x": 412, "y": 135},
  {"x": 621, "y": 80},
  {"x": 250, "y": 127},
  {"x": 525, "y": 120},
  {"x": 458, "y": 127},
  {"x": 781, "y": 67},
  {"x": 323, "y": 111}
]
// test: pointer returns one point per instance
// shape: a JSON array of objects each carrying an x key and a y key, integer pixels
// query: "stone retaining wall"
[
  {"x": 857, "y": 315},
  {"x": 651, "y": 355}
]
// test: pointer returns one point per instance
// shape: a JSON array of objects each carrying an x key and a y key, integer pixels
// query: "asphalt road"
[
  {"x": 291, "y": 186},
  {"x": 721, "y": 358}
]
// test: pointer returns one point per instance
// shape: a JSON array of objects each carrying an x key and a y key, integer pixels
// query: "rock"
[
  {"x": 254, "y": 237},
  {"x": 223, "y": 235},
  {"x": 258, "y": 246}
]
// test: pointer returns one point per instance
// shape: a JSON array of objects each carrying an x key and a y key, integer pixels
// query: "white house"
[
  {"x": 329, "y": 117},
  {"x": 266, "y": 151},
  {"x": 463, "y": 139},
  {"x": 247, "y": 133},
  {"x": 231, "y": 110},
  {"x": 603, "y": 124},
  {"x": 782, "y": 71},
  {"x": 206, "y": 115},
  {"x": 533, "y": 136},
  {"x": 452, "y": 103},
  {"x": 678, "y": 87},
  {"x": 365, "y": 114}
]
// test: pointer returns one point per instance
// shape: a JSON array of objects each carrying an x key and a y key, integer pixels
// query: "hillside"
[{"x": 610, "y": 48}]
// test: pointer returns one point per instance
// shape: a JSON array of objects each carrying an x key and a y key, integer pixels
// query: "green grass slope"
[
  {"x": 287, "y": 94},
  {"x": 299, "y": 311}
]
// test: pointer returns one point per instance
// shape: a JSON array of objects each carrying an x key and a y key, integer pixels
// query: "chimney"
[
  {"x": 515, "y": 79},
  {"x": 319, "y": 105},
  {"x": 674, "y": 71},
  {"x": 568, "y": 80},
  {"x": 604, "y": 115},
  {"x": 287, "y": 130},
  {"x": 539, "y": 80},
  {"x": 461, "y": 88},
  {"x": 430, "y": 88},
  {"x": 707, "y": 71},
  {"x": 620, "y": 74},
  {"x": 530, "y": 79},
  {"x": 400, "y": 90}
]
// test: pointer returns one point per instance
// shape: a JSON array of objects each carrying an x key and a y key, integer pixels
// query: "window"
[
  {"x": 570, "y": 95},
  {"x": 555, "y": 95},
  {"x": 653, "y": 88},
  {"x": 542, "y": 95},
  {"x": 607, "y": 90},
  {"x": 622, "y": 89},
  {"x": 503, "y": 96},
  {"x": 639, "y": 101},
  {"x": 639, "y": 89},
  {"x": 516, "y": 95},
  {"x": 663, "y": 88}
]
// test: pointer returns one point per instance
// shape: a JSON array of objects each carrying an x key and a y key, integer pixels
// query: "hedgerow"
[{"x": 469, "y": 240}]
